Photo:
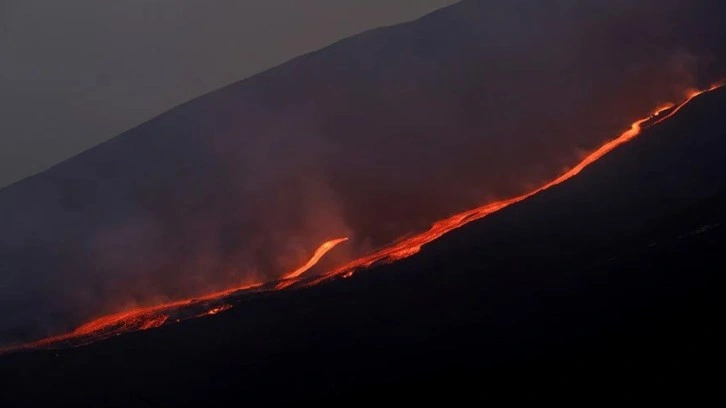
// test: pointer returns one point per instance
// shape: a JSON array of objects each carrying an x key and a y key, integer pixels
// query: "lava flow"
[
  {"x": 144, "y": 318},
  {"x": 213, "y": 303},
  {"x": 412, "y": 244},
  {"x": 324, "y": 249},
  {"x": 137, "y": 319}
]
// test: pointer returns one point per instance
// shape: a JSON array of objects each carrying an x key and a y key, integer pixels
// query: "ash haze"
[
  {"x": 74, "y": 73},
  {"x": 370, "y": 138}
]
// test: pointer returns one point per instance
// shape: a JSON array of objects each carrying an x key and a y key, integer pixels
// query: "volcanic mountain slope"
[
  {"x": 616, "y": 273},
  {"x": 370, "y": 138}
]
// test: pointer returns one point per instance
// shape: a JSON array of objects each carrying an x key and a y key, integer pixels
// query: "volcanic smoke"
[
  {"x": 214, "y": 303},
  {"x": 319, "y": 253}
]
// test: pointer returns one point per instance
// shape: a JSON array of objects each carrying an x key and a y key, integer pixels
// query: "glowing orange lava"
[
  {"x": 216, "y": 310},
  {"x": 319, "y": 253},
  {"x": 137, "y": 319},
  {"x": 144, "y": 318},
  {"x": 213, "y": 303},
  {"x": 412, "y": 244}
]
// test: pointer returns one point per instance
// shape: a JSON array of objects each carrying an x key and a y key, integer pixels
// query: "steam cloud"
[{"x": 373, "y": 137}]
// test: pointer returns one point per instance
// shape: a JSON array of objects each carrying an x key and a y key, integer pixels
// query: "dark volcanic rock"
[
  {"x": 371, "y": 137},
  {"x": 614, "y": 277}
]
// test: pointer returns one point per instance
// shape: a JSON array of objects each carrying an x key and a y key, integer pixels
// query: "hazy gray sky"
[{"x": 76, "y": 72}]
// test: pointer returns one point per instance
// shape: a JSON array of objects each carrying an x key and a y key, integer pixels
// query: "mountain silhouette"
[
  {"x": 616, "y": 272},
  {"x": 372, "y": 137}
]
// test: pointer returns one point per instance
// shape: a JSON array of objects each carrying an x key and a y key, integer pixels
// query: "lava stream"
[
  {"x": 412, "y": 244},
  {"x": 321, "y": 251},
  {"x": 155, "y": 316},
  {"x": 144, "y": 318}
]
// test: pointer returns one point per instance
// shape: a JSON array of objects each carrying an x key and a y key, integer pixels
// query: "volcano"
[
  {"x": 290, "y": 237},
  {"x": 144, "y": 318},
  {"x": 616, "y": 271}
]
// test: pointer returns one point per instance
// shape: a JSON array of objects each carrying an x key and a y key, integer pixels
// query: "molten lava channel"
[
  {"x": 412, "y": 244},
  {"x": 213, "y": 303},
  {"x": 319, "y": 253}
]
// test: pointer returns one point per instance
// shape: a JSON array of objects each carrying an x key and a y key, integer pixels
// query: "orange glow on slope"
[
  {"x": 412, "y": 245},
  {"x": 144, "y": 318},
  {"x": 216, "y": 310},
  {"x": 155, "y": 316},
  {"x": 319, "y": 253},
  {"x": 137, "y": 319}
]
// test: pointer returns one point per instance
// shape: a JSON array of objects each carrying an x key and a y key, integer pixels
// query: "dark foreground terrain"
[{"x": 613, "y": 280}]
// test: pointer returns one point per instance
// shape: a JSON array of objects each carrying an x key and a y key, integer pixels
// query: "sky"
[{"x": 78, "y": 72}]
